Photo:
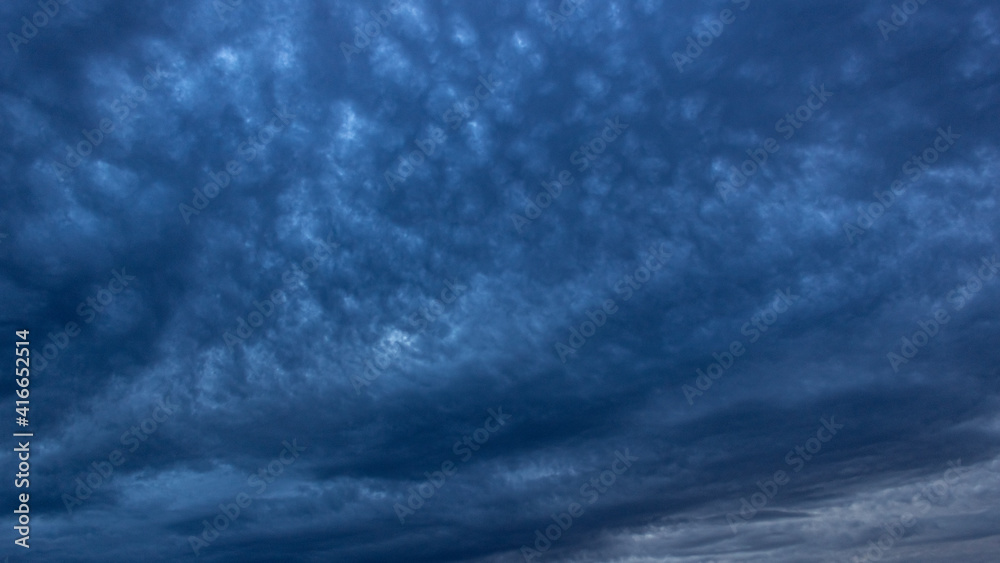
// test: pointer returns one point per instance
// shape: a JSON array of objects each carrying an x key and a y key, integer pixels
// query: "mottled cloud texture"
[{"x": 436, "y": 281}]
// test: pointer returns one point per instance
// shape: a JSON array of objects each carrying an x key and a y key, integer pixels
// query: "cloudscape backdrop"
[{"x": 436, "y": 281}]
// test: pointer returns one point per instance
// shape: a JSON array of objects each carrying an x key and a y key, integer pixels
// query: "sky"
[{"x": 485, "y": 282}]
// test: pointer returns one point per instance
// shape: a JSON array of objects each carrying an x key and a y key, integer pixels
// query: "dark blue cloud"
[{"x": 727, "y": 269}]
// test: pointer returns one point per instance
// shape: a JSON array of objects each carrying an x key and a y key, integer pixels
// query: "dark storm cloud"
[{"x": 398, "y": 212}]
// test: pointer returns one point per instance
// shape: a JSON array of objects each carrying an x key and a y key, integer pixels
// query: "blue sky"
[{"x": 634, "y": 282}]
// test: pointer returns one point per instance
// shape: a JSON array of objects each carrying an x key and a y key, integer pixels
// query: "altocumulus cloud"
[{"x": 202, "y": 82}]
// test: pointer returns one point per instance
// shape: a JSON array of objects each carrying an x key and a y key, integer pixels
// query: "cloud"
[{"x": 546, "y": 98}]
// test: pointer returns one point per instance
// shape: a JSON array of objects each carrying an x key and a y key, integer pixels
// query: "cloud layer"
[{"x": 424, "y": 281}]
